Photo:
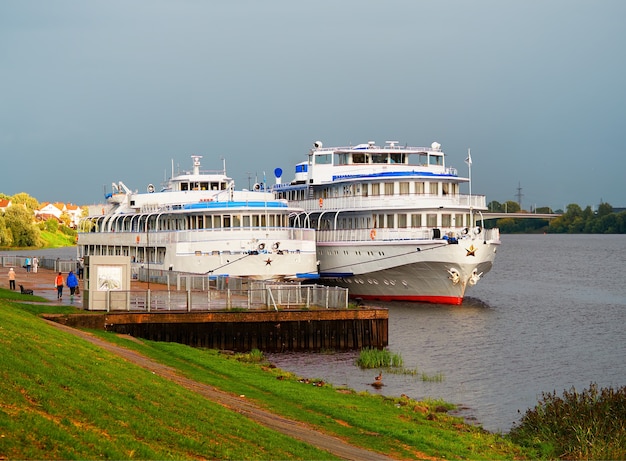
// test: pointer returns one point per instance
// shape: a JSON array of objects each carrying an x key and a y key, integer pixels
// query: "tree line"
[
  {"x": 18, "y": 228},
  {"x": 574, "y": 220}
]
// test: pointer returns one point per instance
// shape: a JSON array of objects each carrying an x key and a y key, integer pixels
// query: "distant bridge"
[{"x": 520, "y": 215}]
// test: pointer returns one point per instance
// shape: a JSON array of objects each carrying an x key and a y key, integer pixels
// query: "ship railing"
[
  {"x": 271, "y": 296},
  {"x": 390, "y": 235},
  {"x": 390, "y": 202},
  {"x": 162, "y": 237}
]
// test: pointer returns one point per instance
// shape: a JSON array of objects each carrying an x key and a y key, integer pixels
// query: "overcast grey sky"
[{"x": 95, "y": 92}]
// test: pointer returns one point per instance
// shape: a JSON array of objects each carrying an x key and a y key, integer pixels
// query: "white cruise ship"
[
  {"x": 391, "y": 222},
  {"x": 198, "y": 223}
]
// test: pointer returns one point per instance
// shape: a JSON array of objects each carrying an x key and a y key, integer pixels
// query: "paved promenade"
[{"x": 42, "y": 283}]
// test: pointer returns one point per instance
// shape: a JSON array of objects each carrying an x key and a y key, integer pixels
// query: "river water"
[{"x": 550, "y": 315}]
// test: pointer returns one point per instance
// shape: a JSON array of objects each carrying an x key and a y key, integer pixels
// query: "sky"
[{"x": 101, "y": 91}]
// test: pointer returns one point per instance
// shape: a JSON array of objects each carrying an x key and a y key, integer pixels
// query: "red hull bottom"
[{"x": 451, "y": 300}]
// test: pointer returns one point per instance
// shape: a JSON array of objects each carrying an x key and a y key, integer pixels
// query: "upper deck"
[{"x": 369, "y": 162}]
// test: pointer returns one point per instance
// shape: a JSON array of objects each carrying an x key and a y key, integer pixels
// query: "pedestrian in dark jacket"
[{"x": 72, "y": 283}]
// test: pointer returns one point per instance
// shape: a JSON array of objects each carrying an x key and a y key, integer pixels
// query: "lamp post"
[{"x": 148, "y": 249}]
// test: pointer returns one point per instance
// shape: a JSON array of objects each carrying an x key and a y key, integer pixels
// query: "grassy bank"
[{"x": 63, "y": 398}]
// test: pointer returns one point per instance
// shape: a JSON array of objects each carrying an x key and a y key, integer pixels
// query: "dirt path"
[{"x": 289, "y": 427}]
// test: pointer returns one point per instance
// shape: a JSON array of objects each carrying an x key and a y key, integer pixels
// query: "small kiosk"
[{"x": 106, "y": 283}]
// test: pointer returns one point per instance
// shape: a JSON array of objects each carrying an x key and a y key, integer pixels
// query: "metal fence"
[
  {"x": 55, "y": 264},
  {"x": 271, "y": 296},
  {"x": 179, "y": 291}
]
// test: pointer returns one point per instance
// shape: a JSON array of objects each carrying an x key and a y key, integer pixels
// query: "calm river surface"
[{"x": 550, "y": 315}]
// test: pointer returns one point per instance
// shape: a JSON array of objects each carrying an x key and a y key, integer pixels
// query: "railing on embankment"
[{"x": 258, "y": 296}]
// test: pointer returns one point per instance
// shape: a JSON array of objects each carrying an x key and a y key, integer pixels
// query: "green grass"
[
  {"x": 370, "y": 357},
  {"x": 391, "y": 363},
  {"x": 57, "y": 239},
  {"x": 63, "y": 398}
]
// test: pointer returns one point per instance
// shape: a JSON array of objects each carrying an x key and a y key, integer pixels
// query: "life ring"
[
  {"x": 321, "y": 202},
  {"x": 373, "y": 234},
  {"x": 261, "y": 246}
]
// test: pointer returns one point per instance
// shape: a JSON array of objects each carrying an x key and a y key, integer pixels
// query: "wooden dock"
[{"x": 268, "y": 331}]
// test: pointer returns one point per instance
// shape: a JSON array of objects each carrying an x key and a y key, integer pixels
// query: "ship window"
[
  {"x": 390, "y": 221},
  {"x": 226, "y": 220},
  {"x": 431, "y": 220},
  {"x": 204, "y": 186},
  {"x": 458, "y": 218},
  {"x": 341, "y": 158},
  {"x": 255, "y": 220},
  {"x": 434, "y": 188},
  {"x": 402, "y": 221},
  {"x": 272, "y": 221},
  {"x": 263, "y": 220},
  {"x": 359, "y": 158},
  {"x": 379, "y": 158},
  {"x": 389, "y": 188},
  {"x": 436, "y": 160},
  {"x": 237, "y": 220},
  {"x": 323, "y": 159},
  {"x": 217, "y": 221},
  {"x": 246, "y": 221},
  {"x": 375, "y": 189},
  {"x": 416, "y": 220},
  {"x": 446, "y": 220},
  {"x": 404, "y": 188},
  {"x": 419, "y": 187},
  {"x": 445, "y": 188},
  {"x": 396, "y": 158},
  {"x": 184, "y": 186}
]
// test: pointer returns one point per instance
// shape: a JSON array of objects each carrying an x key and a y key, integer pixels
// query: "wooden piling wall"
[{"x": 275, "y": 331}]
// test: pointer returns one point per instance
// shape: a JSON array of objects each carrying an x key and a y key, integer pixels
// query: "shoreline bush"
[{"x": 579, "y": 425}]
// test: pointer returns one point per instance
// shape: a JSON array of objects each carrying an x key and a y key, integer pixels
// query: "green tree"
[
  {"x": 495, "y": 207},
  {"x": 19, "y": 222},
  {"x": 23, "y": 198},
  {"x": 511, "y": 206},
  {"x": 6, "y": 238},
  {"x": 604, "y": 209},
  {"x": 52, "y": 225}
]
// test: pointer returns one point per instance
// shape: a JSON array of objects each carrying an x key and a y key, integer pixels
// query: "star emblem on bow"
[
  {"x": 268, "y": 262},
  {"x": 471, "y": 251}
]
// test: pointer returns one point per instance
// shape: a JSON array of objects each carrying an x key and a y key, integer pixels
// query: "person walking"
[
  {"x": 35, "y": 264},
  {"x": 11, "y": 279},
  {"x": 58, "y": 282},
  {"x": 27, "y": 264},
  {"x": 72, "y": 283},
  {"x": 81, "y": 268}
]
